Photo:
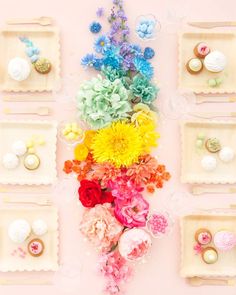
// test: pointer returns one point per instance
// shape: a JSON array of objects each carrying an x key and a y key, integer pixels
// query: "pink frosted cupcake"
[
  {"x": 203, "y": 236},
  {"x": 225, "y": 240},
  {"x": 201, "y": 50}
]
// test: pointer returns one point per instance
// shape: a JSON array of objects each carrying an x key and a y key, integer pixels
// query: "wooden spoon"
[{"x": 43, "y": 21}]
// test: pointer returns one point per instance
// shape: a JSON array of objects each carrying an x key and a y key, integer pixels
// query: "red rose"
[{"x": 91, "y": 194}]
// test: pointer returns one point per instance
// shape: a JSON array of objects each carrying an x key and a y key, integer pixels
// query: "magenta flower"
[
  {"x": 122, "y": 188},
  {"x": 132, "y": 212}
]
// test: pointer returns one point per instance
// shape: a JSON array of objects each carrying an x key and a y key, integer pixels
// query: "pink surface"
[{"x": 160, "y": 274}]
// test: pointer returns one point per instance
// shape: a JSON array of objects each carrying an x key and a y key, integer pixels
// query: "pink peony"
[
  {"x": 134, "y": 244},
  {"x": 132, "y": 212},
  {"x": 101, "y": 227}
]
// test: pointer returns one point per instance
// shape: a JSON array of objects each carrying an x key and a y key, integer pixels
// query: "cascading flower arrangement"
[{"x": 113, "y": 164}]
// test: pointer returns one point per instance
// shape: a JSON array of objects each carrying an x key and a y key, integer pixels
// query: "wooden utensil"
[
  {"x": 206, "y": 99},
  {"x": 26, "y": 281},
  {"x": 198, "y": 281},
  {"x": 43, "y": 21},
  {"x": 212, "y": 115},
  {"x": 40, "y": 201},
  {"x": 40, "y": 111},
  {"x": 211, "y": 25},
  {"x": 27, "y": 98},
  {"x": 199, "y": 190}
]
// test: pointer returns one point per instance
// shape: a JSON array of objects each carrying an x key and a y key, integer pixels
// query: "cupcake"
[
  {"x": 201, "y": 50},
  {"x": 215, "y": 62},
  {"x": 19, "y": 148},
  {"x": 213, "y": 145},
  {"x": 209, "y": 255},
  {"x": 19, "y": 230},
  {"x": 194, "y": 66},
  {"x": 43, "y": 66},
  {"x": 10, "y": 161},
  {"x": 36, "y": 247},
  {"x": 39, "y": 227},
  {"x": 226, "y": 154},
  {"x": 31, "y": 162},
  {"x": 208, "y": 163},
  {"x": 19, "y": 69},
  {"x": 225, "y": 240},
  {"x": 203, "y": 236}
]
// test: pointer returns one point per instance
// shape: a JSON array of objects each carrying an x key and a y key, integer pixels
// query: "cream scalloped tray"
[
  {"x": 48, "y": 261},
  {"x": 10, "y": 131},
  {"x": 191, "y": 264},
  {"x": 191, "y": 170},
  {"x": 47, "y": 40},
  {"x": 222, "y": 41}
]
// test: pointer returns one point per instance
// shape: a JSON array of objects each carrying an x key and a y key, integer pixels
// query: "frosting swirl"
[
  {"x": 225, "y": 240},
  {"x": 215, "y": 61},
  {"x": 19, "y": 69}
]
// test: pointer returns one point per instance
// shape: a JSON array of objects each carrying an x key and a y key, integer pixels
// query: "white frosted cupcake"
[
  {"x": 215, "y": 61},
  {"x": 10, "y": 161},
  {"x": 39, "y": 227},
  {"x": 226, "y": 154},
  {"x": 19, "y": 230},
  {"x": 208, "y": 163},
  {"x": 19, "y": 69},
  {"x": 19, "y": 148}
]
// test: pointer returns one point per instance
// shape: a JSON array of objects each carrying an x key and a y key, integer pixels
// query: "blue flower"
[
  {"x": 98, "y": 63},
  {"x": 137, "y": 50},
  {"x": 101, "y": 44},
  {"x": 88, "y": 60},
  {"x": 144, "y": 67},
  {"x": 112, "y": 57},
  {"x": 148, "y": 53},
  {"x": 95, "y": 27}
]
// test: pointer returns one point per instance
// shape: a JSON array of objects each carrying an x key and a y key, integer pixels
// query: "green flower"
[
  {"x": 101, "y": 101},
  {"x": 145, "y": 90},
  {"x": 112, "y": 74}
]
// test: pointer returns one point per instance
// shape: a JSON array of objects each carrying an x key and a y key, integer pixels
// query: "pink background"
[{"x": 160, "y": 274}]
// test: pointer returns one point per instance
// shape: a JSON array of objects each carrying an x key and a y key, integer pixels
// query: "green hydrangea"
[
  {"x": 101, "y": 101},
  {"x": 112, "y": 74},
  {"x": 145, "y": 90}
]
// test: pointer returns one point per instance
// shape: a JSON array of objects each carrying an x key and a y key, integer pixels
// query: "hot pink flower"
[
  {"x": 132, "y": 212},
  {"x": 101, "y": 227},
  {"x": 122, "y": 188}
]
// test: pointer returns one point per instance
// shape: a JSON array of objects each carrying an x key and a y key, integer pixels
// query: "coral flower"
[{"x": 119, "y": 144}]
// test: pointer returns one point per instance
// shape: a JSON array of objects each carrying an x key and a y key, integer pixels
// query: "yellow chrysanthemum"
[
  {"x": 149, "y": 137},
  {"x": 143, "y": 115},
  {"x": 89, "y": 135},
  {"x": 81, "y": 152},
  {"x": 120, "y": 144}
]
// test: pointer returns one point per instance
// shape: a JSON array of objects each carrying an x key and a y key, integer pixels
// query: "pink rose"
[
  {"x": 132, "y": 212},
  {"x": 101, "y": 227}
]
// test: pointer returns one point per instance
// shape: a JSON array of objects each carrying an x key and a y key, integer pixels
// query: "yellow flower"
[
  {"x": 81, "y": 152},
  {"x": 143, "y": 115},
  {"x": 149, "y": 137},
  {"x": 89, "y": 136},
  {"x": 120, "y": 144}
]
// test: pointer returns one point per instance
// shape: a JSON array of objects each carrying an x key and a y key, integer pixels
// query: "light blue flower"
[
  {"x": 144, "y": 67},
  {"x": 101, "y": 44},
  {"x": 88, "y": 60}
]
